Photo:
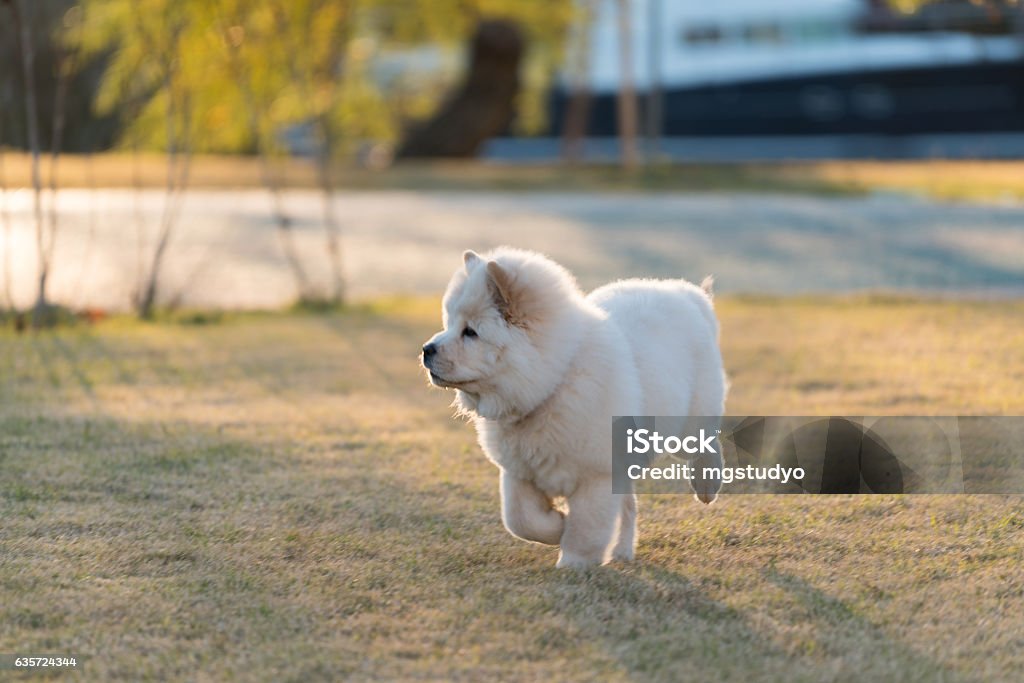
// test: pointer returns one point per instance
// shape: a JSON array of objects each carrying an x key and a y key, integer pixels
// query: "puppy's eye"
[{"x": 469, "y": 332}]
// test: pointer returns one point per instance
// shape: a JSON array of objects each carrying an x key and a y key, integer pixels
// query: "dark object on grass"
[{"x": 483, "y": 105}]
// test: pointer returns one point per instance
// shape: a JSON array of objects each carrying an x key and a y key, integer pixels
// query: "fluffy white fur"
[{"x": 542, "y": 369}]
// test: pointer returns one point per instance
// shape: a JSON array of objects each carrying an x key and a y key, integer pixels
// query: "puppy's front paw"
[
  {"x": 705, "y": 485},
  {"x": 706, "y": 497},
  {"x": 623, "y": 555},
  {"x": 572, "y": 561}
]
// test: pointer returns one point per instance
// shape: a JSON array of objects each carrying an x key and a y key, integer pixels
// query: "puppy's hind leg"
[
  {"x": 625, "y": 546},
  {"x": 527, "y": 512},
  {"x": 590, "y": 524}
]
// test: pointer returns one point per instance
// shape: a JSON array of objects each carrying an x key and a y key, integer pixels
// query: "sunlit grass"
[
  {"x": 958, "y": 180},
  {"x": 282, "y": 497}
]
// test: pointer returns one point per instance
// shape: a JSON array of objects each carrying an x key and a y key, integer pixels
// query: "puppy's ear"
[
  {"x": 501, "y": 284},
  {"x": 470, "y": 258}
]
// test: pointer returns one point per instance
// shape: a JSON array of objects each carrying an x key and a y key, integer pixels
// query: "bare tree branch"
[
  {"x": 325, "y": 142},
  {"x": 270, "y": 180},
  {"x": 178, "y": 154}
]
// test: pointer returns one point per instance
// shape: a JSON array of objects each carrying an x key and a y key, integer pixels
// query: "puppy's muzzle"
[{"x": 429, "y": 352}]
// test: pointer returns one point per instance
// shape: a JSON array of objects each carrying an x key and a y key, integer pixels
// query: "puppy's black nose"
[{"x": 429, "y": 350}]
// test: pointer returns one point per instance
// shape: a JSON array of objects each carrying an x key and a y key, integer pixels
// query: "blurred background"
[{"x": 251, "y": 153}]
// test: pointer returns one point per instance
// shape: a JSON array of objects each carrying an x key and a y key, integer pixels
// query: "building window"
[
  {"x": 702, "y": 35},
  {"x": 819, "y": 31},
  {"x": 763, "y": 34}
]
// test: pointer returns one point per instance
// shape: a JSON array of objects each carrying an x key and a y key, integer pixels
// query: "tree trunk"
[
  {"x": 178, "y": 152},
  {"x": 627, "y": 92},
  {"x": 482, "y": 107},
  {"x": 577, "y": 111},
  {"x": 178, "y": 158},
  {"x": 5, "y": 218},
  {"x": 57, "y": 139},
  {"x": 654, "y": 88},
  {"x": 23, "y": 29},
  {"x": 331, "y": 225}
]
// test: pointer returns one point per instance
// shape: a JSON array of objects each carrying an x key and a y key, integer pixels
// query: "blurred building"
[{"x": 798, "y": 67}]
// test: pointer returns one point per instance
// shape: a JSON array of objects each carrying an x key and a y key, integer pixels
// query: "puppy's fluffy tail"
[
  {"x": 707, "y": 284},
  {"x": 707, "y": 306}
]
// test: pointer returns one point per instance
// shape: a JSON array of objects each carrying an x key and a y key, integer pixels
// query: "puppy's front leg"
[
  {"x": 625, "y": 546},
  {"x": 527, "y": 512},
  {"x": 706, "y": 483},
  {"x": 590, "y": 524}
]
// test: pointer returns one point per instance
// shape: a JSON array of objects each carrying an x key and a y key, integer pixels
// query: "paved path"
[{"x": 225, "y": 251}]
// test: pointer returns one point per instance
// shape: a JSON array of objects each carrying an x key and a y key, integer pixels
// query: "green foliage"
[
  {"x": 237, "y": 73},
  {"x": 907, "y": 6}
]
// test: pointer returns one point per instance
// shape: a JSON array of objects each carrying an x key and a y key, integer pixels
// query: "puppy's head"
[{"x": 507, "y": 321}]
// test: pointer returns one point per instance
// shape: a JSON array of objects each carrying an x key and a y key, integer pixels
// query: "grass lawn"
[
  {"x": 281, "y": 497},
  {"x": 957, "y": 180}
]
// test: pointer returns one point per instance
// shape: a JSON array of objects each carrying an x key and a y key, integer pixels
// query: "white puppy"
[{"x": 543, "y": 368}]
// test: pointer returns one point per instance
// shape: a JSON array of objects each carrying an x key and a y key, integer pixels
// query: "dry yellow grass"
[
  {"x": 966, "y": 180},
  {"x": 983, "y": 180},
  {"x": 281, "y": 497},
  {"x": 116, "y": 169}
]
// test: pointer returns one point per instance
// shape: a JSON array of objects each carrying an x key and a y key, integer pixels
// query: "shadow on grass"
[
  {"x": 125, "y": 543},
  {"x": 840, "y": 627},
  {"x": 68, "y": 355},
  {"x": 348, "y": 331},
  {"x": 641, "y": 619}
]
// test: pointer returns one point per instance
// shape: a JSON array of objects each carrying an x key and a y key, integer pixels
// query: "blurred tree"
[
  {"x": 953, "y": 6},
  {"x": 165, "y": 25},
  {"x": 574, "y": 124},
  {"x": 241, "y": 30},
  {"x": 483, "y": 105},
  {"x": 21, "y": 21},
  {"x": 84, "y": 131},
  {"x": 991, "y": 17},
  {"x": 319, "y": 71},
  {"x": 627, "y": 101},
  {"x": 5, "y": 214},
  {"x": 316, "y": 58},
  {"x": 545, "y": 24},
  {"x": 66, "y": 53},
  {"x": 271, "y": 76},
  {"x": 159, "y": 60}
]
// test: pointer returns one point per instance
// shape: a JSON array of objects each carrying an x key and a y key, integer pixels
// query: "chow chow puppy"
[{"x": 542, "y": 368}]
